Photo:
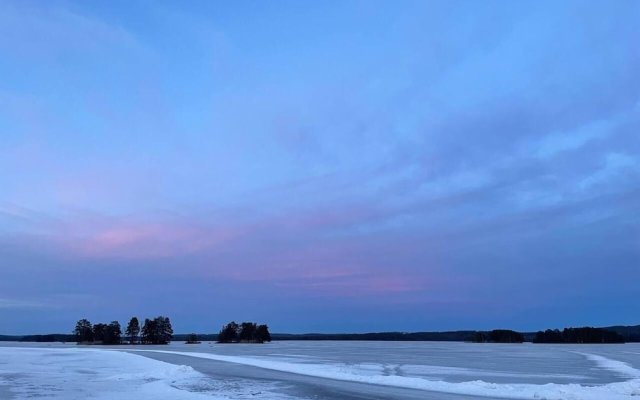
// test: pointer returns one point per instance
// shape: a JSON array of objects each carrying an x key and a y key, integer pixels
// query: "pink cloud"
[
  {"x": 140, "y": 240},
  {"x": 290, "y": 251}
]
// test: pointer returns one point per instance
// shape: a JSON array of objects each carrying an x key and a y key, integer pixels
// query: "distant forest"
[
  {"x": 572, "y": 335},
  {"x": 498, "y": 336},
  {"x": 617, "y": 334},
  {"x": 578, "y": 335}
]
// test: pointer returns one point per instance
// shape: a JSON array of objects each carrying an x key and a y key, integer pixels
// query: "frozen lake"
[{"x": 321, "y": 370}]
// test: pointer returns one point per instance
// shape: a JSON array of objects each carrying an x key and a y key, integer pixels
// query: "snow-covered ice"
[
  {"x": 381, "y": 374},
  {"x": 80, "y": 373},
  {"x": 427, "y": 370}
]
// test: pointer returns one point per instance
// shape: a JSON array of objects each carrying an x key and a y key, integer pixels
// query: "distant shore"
[{"x": 629, "y": 333}]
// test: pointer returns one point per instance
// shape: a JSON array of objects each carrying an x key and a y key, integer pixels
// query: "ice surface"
[
  {"x": 552, "y": 372},
  {"x": 77, "y": 373},
  {"x": 92, "y": 374},
  {"x": 613, "y": 365},
  {"x": 376, "y": 374}
]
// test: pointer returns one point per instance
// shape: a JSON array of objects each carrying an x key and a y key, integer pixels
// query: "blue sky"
[{"x": 337, "y": 166}]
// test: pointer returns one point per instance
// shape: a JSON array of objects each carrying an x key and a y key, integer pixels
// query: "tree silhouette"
[
  {"x": 498, "y": 336},
  {"x": 148, "y": 335},
  {"x": 247, "y": 332},
  {"x": 133, "y": 330},
  {"x": 262, "y": 334},
  {"x": 112, "y": 333},
  {"x": 98, "y": 332},
  {"x": 192, "y": 339},
  {"x": 83, "y": 331},
  {"x": 229, "y": 333},
  {"x": 157, "y": 331},
  {"x": 578, "y": 335},
  {"x": 154, "y": 331},
  {"x": 165, "y": 330}
]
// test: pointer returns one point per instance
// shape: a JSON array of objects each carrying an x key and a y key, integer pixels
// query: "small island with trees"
[
  {"x": 160, "y": 331},
  {"x": 154, "y": 331},
  {"x": 247, "y": 332},
  {"x": 192, "y": 338}
]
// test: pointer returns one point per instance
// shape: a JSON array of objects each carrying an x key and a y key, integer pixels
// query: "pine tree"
[
  {"x": 262, "y": 334},
  {"x": 133, "y": 330},
  {"x": 98, "y": 332},
  {"x": 165, "y": 331},
  {"x": 248, "y": 332},
  {"x": 229, "y": 333},
  {"x": 157, "y": 331},
  {"x": 112, "y": 333},
  {"x": 149, "y": 331},
  {"x": 83, "y": 331}
]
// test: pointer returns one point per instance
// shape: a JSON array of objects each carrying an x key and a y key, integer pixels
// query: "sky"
[{"x": 329, "y": 166}]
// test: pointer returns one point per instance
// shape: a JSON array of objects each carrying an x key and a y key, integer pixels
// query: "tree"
[
  {"x": 83, "y": 331},
  {"x": 157, "y": 331},
  {"x": 112, "y": 333},
  {"x": 229, "y": 333},
  {"x": 262, "y": 334},
  {"x": 98, "y": 332},
  {"x": 248, "y": 332},
  {"x": 133, "y": 330},
  {"x": 149, "y": 331},
  {"x": 154, "y": 331},
  {"x": 192, "y": 339},
  {"x": 164, "y": 330}
]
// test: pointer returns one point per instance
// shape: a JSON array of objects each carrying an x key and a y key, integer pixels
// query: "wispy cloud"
[
  {"x": 473, "y": 152},
  {"x": 21, "y": 303}
]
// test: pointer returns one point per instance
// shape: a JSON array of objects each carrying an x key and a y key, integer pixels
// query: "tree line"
[
  {"x": 154, "y": 331},
  {"x": 159, "y": 331},
  {"x": 247, "y": 332},
  {"x": 498, "y": 336},
  {"x": 578, "y": 335}
]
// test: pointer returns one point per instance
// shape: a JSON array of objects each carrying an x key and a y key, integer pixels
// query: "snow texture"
[
  {"x": 75, "y": 374},
  {"x": 625, "y": 390}
]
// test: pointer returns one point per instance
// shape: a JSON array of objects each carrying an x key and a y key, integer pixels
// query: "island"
[{"x": 247, "y": 332}]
